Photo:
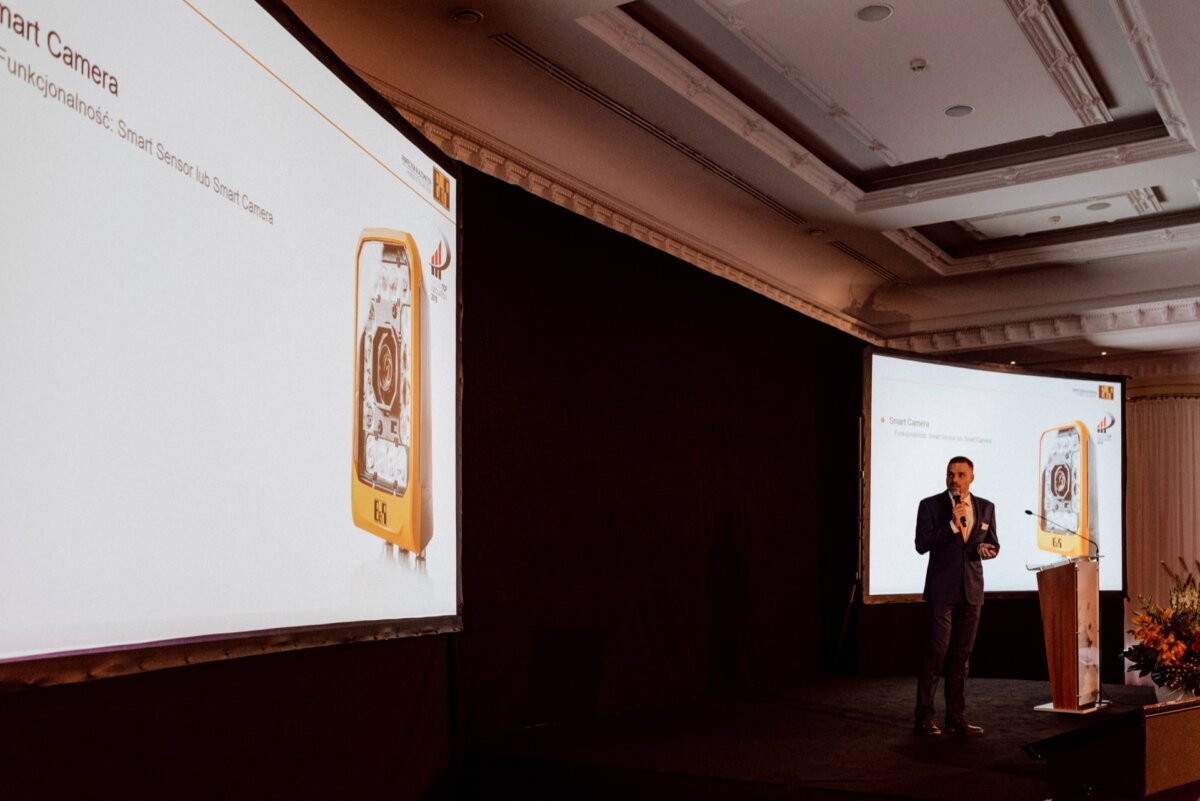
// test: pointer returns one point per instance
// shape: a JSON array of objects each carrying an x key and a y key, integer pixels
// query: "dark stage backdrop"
[
  {"x": 1009, "y": 644},
  {"x": 659, "y": 499},
  {"x": 660, "y": 473}
]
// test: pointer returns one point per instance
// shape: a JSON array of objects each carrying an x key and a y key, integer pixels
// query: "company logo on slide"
[
  {"x": 1106, "y": 392},
  {"x": 1106, "y": 422},
  {"x": 439, "y": 260},
  {"x": 441, "y": 188}
]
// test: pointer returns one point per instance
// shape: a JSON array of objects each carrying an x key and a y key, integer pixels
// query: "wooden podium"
[{"x": 1070, "y": 599}]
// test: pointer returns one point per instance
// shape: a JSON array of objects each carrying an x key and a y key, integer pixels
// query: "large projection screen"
[
  {"x": 1051, "y": 445},
  {"x": 228, "y": 336}
]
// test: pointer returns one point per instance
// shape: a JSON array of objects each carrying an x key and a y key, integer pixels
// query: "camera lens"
[
  {"x": 1060, "y": 481},
  {"x": 385, "y": 368}
]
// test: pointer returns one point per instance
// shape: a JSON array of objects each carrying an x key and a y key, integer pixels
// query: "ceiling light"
[
  {"x": 1098, "y": 206},
  {"x": 918, "y": 65},
  {"x": 1012, "y": 362},
  {"x": 466, "y": 16},
  {"x": 959, "y": 111},
  {"x": 875, "y": 13},
  {"x": 1103, "y": 353}
]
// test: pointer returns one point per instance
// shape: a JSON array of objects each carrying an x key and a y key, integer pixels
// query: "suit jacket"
[{"x": 955, "y": 571}]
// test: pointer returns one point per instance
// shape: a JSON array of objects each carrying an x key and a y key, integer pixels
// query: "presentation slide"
[
  {"x": 228, "y": 336},
  {"x": 1048, "y": 446}
]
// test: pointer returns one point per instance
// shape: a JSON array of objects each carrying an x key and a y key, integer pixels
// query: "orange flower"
[
  {"x": 1170, "y": 651},
  {"x": 1150, "y": 634}
]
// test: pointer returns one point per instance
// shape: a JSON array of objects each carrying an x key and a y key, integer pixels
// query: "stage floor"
[{"x": 832, "y": 738}]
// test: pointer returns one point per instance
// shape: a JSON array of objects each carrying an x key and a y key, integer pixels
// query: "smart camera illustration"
[
  {"x": 390, "y": 470},
  {"x": 1067, "y": 496}
]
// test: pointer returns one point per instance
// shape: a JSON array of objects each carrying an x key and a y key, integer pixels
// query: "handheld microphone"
[{"x": 962, "y": 521}]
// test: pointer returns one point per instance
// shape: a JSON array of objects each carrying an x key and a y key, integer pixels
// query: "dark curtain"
[{"x": 659, "y": 472}]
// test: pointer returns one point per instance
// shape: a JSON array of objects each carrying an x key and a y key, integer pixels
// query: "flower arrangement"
[{"x": 1168, "y": 638}]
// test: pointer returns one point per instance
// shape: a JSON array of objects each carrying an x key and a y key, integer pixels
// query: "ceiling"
[{"x": 824, "y": 160}]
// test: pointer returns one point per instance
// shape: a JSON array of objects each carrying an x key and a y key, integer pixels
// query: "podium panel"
[{"x": 1069, "y": 595}]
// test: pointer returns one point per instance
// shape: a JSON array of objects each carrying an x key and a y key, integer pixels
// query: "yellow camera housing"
[
  {"x": 386, "y": 467},
  {"x": 1066, "y": 492}
]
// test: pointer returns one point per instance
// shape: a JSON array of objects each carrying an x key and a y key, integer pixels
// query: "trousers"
[{"x": 952, "y": 628}]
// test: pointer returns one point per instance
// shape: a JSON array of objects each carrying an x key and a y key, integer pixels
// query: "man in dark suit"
[{"x": 958, "y": 531}]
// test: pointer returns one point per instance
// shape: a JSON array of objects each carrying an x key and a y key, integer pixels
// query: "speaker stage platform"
[{"x": 834, "y": 738}]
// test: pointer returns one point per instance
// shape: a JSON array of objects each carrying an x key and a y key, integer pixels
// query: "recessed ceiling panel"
[
  {"x": 973, "y": 54},
  {"x": 1065, "y": 215}
]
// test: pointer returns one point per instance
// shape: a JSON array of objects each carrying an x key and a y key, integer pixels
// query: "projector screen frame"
[
  {"x": 864, "y": 532},
  {"x": 67, "y": 667}
]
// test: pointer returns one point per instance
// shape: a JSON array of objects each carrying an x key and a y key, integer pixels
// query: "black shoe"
[
  {"x": 926, "y": 728},
  {"x": 960, "y": 727}
]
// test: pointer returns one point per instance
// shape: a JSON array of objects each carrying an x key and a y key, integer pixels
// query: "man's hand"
[
  {"x": 961, "y": 509},
  {"x": 987, "y": 550}
]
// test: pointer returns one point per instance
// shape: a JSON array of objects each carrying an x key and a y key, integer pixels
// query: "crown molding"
[
  {"x": 1049, "y": 40},
  {"x": 472, "y": 146},
  {"x": 1062, "y": 327},
  {"x": 1144, "y": 201},
  {"x": 1152, "y": 375},
  {"x": 1000, "y": 177},
  {"x": 793, "y": 75},
  {"x": 1142, "y": 45},
  {"x": 912, "y": 242},
  {"x": 1168, "y": 376}
]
